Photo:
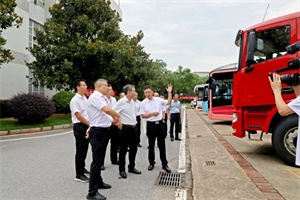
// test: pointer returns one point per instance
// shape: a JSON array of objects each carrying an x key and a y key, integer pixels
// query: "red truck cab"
[{"x": 263, "y": 50}]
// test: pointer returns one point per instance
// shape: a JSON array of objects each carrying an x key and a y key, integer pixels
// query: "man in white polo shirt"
[
  {"x": 288, "y": 109},
  {"x": 126, "y": 108},
  {"x": 78, "y": 107},
  {"x": 151, "y": 110},
  {"x": 101, "y": 117}
]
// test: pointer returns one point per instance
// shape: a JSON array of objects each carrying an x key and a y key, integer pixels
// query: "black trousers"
[
  {"x": 127, "y": 138},
  {"x": 98, "y": 138},
  {"x": 138, "y": 130},
  {"x": 166, "y": 124},
  {"x": 156, "y": 130},
  {"x": 82, "y": 145},
  {"x": 175, "y": 119},
  {"x": 114, "y": 143}
]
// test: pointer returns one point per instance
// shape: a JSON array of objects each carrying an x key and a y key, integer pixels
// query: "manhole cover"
[
  {"x": 169, "y": 179},
  {"x": 209, "y": 163}
]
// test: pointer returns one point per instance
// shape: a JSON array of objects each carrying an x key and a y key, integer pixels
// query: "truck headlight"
[{"x": 235, "y": 117}]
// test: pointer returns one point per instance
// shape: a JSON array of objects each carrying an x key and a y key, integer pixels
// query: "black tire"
[{"x": 284, "y": 139}]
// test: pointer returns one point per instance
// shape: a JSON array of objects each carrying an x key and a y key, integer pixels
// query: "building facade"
[{"x": 15, "y": 77}]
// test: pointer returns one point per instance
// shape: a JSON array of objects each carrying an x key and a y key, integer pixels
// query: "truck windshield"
[{"x": 271, "y": 43}]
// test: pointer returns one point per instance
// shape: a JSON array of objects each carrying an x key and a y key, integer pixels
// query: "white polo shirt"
[
  {"x": 97, "y": 117},
  {"x": 111, "y": 101},
  {"x": 126, "y": 109},
  {"x": 137, "y": 104},
  {"x": 156, "y": 104},
  {"x": 78, "y": 104},
  {"x": 295, "y": 106}
]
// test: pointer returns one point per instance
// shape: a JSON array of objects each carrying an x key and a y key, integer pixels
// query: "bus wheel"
[{"x": 284, "y": 139}]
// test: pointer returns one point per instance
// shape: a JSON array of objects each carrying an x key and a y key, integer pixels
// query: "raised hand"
[{"x": 170, "y": 87}]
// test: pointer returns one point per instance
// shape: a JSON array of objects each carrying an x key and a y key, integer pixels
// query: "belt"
[
  {"x": 79, "y": 123},
  {"x": 155, "y": 122},
  {"x": 96, "y": 127},
  {"x": 131, "y": 126}
]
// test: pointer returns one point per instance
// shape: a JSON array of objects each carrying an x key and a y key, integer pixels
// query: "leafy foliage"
[
  {"x": 183, "y": 80},
  {"x": 7, "y": 18},
  {"x": 4, "y": 109},
  {"x": 82, "y": 39},
  {"x": 31, "y": 107},
  {"x": 62, "y": 100}
]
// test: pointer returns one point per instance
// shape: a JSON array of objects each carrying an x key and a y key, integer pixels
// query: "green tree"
[
  {"x": 83, "y": 39},
  {"x": 184, "y": 80},
  {"x": 8, "y": 18}
]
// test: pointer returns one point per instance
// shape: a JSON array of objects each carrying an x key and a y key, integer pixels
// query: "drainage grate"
[
  {"x": 169, "y": 179},
  {"x": 208, "y": 163}
]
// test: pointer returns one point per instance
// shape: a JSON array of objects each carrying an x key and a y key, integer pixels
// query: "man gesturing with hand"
[{"x": 151, "y": 110}]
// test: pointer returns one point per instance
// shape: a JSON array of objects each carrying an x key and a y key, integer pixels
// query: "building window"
[
  {"x": 39, "y": 3},
  {"x": 32, "y": 88},
  {"x": 32, "y": 35},
  {"x": 32, "y": 41}
]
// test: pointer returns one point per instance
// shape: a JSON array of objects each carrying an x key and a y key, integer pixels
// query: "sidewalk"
[{"x": 214, "y": 172}]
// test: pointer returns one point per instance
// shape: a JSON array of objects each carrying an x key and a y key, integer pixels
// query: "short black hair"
[
  {"x": 174, "y": 94},
  {"x": 77, "y": 83},
  {"x": 148, "y": 87}
]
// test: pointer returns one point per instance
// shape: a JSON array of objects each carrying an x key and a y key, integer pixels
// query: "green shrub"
[
  {"x": 31, "y": 107},
  {"x": 4, "y": 109},
  {"x": 62, "y": 100}
]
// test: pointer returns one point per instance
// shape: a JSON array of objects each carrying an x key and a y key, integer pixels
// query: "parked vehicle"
[
  {"x": 263, "y": 50},
  {"x": 202, "y": 94},
  {"x": 220, "y": 92}
]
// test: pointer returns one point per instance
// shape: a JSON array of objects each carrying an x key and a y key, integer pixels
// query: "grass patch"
[{"x": 7, "y": 124}]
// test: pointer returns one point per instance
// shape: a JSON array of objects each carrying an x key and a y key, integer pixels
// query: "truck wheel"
[{"x": 284, "y": 139}]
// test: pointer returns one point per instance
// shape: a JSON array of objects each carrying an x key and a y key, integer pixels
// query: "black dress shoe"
[
  {"x": 134, "y": 171},
  {"x": 178, "y": 139},
  {"x": 166, "y": 168},
  {"x": 102, "y": 167},
  {"x": 96, "y": 196},
  {"x": 123, "y": 174},
  {"x": 172, "y": 139},
  {"x": 104, "y": 186},
  {"x": 151, "y": 167},
  {"x": 115, "y": 162}
]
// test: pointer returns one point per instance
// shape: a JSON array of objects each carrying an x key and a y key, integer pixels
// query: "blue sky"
[{"x": 196, "y": 34}]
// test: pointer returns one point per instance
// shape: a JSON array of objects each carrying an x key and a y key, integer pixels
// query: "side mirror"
[{"x": 250, "y": 49}]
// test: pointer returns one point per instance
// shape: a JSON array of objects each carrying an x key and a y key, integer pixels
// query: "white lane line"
[
  {"x": 182, "y": 158},
  {"x": 37, "y": 137}
]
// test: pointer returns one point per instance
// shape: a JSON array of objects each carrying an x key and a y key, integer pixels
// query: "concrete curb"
[{"x": 31, "y": 130}]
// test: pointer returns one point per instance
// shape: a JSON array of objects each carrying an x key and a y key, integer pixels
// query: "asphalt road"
[{"x": 41, "y": 166}]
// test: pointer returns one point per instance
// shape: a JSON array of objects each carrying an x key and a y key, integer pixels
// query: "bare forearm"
[
  {"x": 282, "y": 107},
  {"x": 112, "y": 113},
  {"x": 169, "y": 98},
  {"x": 147, "y": 115},
  {"x": 82, "y": 119}
]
